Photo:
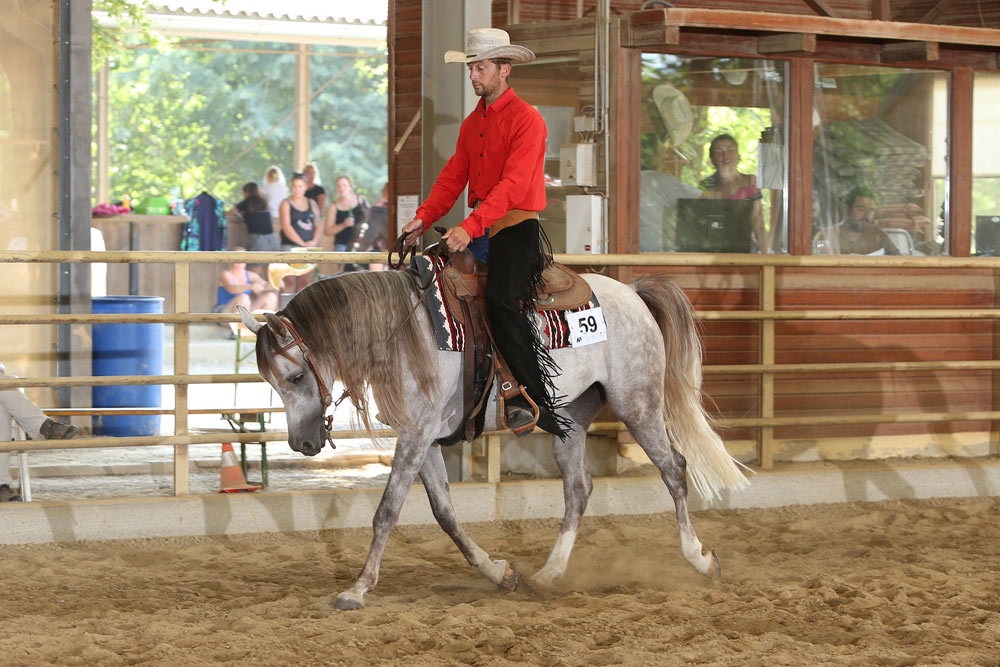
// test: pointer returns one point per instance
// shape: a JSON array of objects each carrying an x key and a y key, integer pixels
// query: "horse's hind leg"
[
  {"x": 652, "y": 436},
  {"x": 408, "y": 459},
  {"x": 571, "y": 455},
  {"x": 435, "y": 479}
]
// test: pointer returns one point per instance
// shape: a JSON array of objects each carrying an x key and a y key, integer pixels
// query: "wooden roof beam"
[
  {"x": 902, "y": 52},
  {"x": 821, "y": 7},
  {"x": 792, "y": 42},
  {"x": 648, "y": 28},
  {"x": 652, "y": 22}
]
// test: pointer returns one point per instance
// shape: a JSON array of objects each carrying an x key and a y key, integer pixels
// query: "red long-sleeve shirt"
[{"x": 501, "y": 155}]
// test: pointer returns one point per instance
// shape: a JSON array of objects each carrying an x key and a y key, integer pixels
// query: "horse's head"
[{"x": 281, "y": 360}]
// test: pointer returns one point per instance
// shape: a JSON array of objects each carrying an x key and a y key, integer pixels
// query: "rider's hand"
[
  {"x": 457, "y": 239},
  {"x": 413, "y": 230}
]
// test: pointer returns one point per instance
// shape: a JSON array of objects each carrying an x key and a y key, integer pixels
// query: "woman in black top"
[
  {"x": 299, "y": 217},
  {"x": 254, "y": 211},
  {"x": 314, "y": 190},
  {"x": 348, "y": 211}
]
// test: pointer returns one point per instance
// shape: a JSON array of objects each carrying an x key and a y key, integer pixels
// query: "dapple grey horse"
[{"x": 369, "y": 332}]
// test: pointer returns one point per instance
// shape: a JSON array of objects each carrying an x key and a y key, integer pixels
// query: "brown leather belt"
[{"x": 514, "y": 216}]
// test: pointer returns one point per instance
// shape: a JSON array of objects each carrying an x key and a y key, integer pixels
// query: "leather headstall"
[{"x": 325, "y": 396}]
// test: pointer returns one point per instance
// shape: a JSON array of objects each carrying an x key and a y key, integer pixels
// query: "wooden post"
[
  {"x": 182, "y": 304},
  {"x": 800, "y": 155},
  {"x": 960, "y": 163},
  {"x": 103, "y": 136},
  {"x": 995, "y": 392},
  {"x": 625, "y": 106},
  {"x": 513, "y": 12},
  {"x": 493, "y": 458},
  {"x": 765, "y": 442},
  {"x": 301, "y": 149}
]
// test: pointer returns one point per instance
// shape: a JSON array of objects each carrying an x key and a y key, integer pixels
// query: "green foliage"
[
  {"x": 348, "y": 121},
  {"x": 130, "y": 18},
  {"x": 188, "y": 120},
  {"x": 108, "y": 40}
]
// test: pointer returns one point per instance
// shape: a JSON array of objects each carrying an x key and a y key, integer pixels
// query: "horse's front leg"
[
  {"x": 571, "y": 456},
  {"x": 408, "y": 459},
  {"x": 435, "y": 479}
]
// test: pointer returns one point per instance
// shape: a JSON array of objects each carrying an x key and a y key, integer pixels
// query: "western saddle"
[{"x": 463, "y": 280}]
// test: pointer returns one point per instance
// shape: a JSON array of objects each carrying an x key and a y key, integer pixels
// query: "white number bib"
[{"x": 586, "y": 327}]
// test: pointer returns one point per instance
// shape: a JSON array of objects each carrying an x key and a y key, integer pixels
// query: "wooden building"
[{"x": 896, "y": 93}]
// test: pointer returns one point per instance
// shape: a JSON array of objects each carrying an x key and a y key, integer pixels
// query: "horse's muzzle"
[{"x": 307, "y": 447}]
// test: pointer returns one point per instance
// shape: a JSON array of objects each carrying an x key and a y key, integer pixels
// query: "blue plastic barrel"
[{"x": 127, "y": 349}]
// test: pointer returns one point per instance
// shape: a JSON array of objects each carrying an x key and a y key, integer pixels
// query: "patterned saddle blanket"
[{"x": 558, "y": 328}]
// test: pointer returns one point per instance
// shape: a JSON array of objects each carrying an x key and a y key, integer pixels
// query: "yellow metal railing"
[{"x": 766, "y": 370}]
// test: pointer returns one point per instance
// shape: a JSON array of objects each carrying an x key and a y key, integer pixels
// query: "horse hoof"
[
  {"x": 346, "y": 604},
  {"x": 715, "y": 568},
  {"x": 509, "y": 581}
]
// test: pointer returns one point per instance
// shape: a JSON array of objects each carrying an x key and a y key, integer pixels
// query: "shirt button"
[{"x": 480, "y": 155}]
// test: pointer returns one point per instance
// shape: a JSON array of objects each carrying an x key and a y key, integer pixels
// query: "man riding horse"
[{"x": 500, "y": 154}]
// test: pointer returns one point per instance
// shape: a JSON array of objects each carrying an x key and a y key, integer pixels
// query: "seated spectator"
[
  {"x": 240, "y": 287},
  {"x": 728, "y": 183},
  {"x": 15, "y": 405},
  {"x": 857, "y": 233}
]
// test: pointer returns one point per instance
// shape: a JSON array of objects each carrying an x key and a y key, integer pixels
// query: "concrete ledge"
[{"x": 231, "y": 514}]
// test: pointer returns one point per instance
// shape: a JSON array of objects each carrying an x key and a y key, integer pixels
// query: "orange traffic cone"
[{"x": 231, "y": 473}]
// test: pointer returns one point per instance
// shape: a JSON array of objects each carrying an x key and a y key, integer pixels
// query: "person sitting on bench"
[
  {"x": 240, "y": 287},
  {"x": 15, "y": 405}
]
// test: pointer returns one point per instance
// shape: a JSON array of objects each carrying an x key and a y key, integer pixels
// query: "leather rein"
[{"x": 325, "y": 396}]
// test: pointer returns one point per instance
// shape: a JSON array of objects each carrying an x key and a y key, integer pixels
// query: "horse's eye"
[{"x": 298, "y": 378}]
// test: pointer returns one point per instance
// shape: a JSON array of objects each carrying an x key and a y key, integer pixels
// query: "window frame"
[{"x": 678, "y": 32}]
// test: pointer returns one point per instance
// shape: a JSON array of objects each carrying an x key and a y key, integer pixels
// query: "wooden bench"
[{"x": 241, "y": 420}]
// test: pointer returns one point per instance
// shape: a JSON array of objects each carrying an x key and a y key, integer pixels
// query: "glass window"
[
  {"x": 986, "y": 164},
  {"x": 713, "y": 152},
  {"x": 876, "y": 130}
]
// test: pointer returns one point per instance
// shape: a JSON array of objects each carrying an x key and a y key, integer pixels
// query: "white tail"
[{"x": 710, "y": 467}]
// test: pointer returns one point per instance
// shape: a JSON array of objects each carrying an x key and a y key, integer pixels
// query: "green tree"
[{"x": 185, "y": 120}]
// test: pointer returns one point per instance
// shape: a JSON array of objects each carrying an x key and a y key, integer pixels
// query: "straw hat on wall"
[{"x": 675, "y": 111}]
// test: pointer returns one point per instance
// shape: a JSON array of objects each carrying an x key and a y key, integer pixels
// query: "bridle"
[{"x": 325, "y": 396}]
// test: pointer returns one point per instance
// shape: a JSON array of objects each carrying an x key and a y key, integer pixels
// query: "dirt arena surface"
[{"x": 889, "y": 583}]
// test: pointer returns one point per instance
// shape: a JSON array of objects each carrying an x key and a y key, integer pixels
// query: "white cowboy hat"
[
  {"x": 675, "y": 111},
  {"x": 486, "y": 43}
]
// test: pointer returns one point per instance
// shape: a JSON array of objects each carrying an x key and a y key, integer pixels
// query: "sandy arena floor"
[{"x": 891, "y": 583}]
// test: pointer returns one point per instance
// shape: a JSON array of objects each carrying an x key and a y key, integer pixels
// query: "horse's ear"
[
  {"x": 277, "y": 326},
  {"x": 248, "y": 320}
]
